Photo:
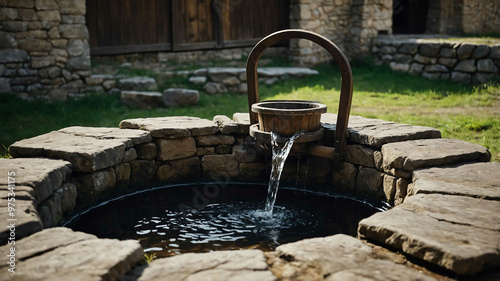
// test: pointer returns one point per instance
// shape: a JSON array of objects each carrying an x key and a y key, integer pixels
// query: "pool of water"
[{"x": 208, "y": 217}]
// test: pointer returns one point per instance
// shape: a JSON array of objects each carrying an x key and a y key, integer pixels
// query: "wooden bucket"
[{"x": 289, "y": 117}]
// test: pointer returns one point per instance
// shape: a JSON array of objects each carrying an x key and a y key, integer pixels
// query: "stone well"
[{"x": 445, "y": 196}]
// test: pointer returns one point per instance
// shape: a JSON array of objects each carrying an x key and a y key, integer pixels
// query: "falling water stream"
[{"x": 278, "y": 161}]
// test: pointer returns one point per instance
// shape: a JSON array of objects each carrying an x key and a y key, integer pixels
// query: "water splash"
[{"x": 278, "y": 161}]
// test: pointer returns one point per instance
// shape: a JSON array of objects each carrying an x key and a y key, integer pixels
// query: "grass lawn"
[{"x": 458, "y": 111}]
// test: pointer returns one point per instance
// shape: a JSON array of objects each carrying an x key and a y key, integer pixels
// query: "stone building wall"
[
  {"x": 463, "y": 17},
  {"x": 476, "y": 63},
  {"x": 350, "y": 24},
  {"x": 44, "y": 47}
]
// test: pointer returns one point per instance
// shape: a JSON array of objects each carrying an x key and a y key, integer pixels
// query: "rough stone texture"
[
  {"x": 147, "y": 151},
  {"x": 360, "y": 155},
  {"x": 172, "y": 127},
  {"x": 43, "y": 241},
  {"x": 27, "y": 220},
  {"x": 389, "y": 185},
  {"x": 221, "y": 265},
  {"x": 480, "y": 180},
  {"x": 142, "y": 172},
  {"x": 86, "y": 154},
  {"x": 369, "y": 180},
  {"x": 42, "y": 175},
  {"x": 171, "y": 149},
  {"x": 138, "y": 84},
  {"x": 463, "y": 249},
  {"x": 248, "y": 153},
  {"x": 62, "y": 263},
  {"x": 226, "y": 125},
  {"x": 338, "y": 257},
  {"x": 375, "y": 132},
  {"x": 344, "y": 176},
  {"x": 179, "y": 169},
  {"x": 180, "y": 97},
  {"x": 142, "y": 100},
  {"x": 243, "y": 122},
  {"x": 129, "y": 137},
  {"x": 411, "y": 155},
  {"x": 91, "y": 185},
  {"x": 129, "y": 155},
  {"x": 220, "y": 166},
  {"x": 210, "y": 140}
]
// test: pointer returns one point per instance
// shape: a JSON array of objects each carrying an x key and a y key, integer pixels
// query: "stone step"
[
  {"x": 480, "y": 180},
  {"x": 411, "y": 155},
  {"x": 449, "y": 231},
  {"x": 220, "y": 265},
  {"x": 86, "y": 154},
  {"x": 172, "y": 127}
]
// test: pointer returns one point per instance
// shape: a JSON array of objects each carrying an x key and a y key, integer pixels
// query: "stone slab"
[
  {"x": 172, "y": 127},
  {"x": 463, "y": 249},
  {"x": 45, "y": 241},
  {"x": 226, "y": 125},
  {"x": 94, "y": 259},
  {"x": 141, "y": 100},
  {"x": 86, "y": 154},
  {"x": 481, "y": 180},
  {"x": 411, "y": 155},
  {"x": 243, "y": 122},
  {"x": 463, "y": 210},
  {"x": 128, "y": 136},
  {"x": 376, "y": 132},
  {"x": 220, "y": 265},
  {"x": 44, "y": 176},
  {"x": 25, "y": 219},
  {"x": 341, "y": 257}
]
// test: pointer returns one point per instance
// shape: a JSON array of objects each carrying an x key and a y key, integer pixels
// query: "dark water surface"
[{"x": 209, "y": 217}]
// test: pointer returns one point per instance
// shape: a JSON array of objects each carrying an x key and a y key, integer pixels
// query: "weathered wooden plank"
[
  {"x": 126, "y": 22},
  {"x": 114, "y": 50},
  {"x": 115, "y": 15},
  {"x": 164, "y": 21},
  {"x": 104, "y": 23},
  {"x": 91, "y": 20}
]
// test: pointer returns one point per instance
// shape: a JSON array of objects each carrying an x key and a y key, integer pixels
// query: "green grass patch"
[{"x": 458, "y": 111}]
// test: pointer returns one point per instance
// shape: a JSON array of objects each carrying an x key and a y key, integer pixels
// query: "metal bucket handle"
[{"x": 338, "y": 55}]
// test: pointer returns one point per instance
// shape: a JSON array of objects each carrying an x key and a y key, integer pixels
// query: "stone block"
[
  {"x": 465, "y": 51},
  {"x": 224, "y": 149},
  {"x": 248, "y": 153},
  {"x": 172, "y": 149},
  {"x": 340, "y": 257},
  {"x": 28, "y": 220},
  {"x": 78, "y": 63},
  {"x": 461, "y": 77},
  {"x": 401, "y": 190},
  {"x": 214, "y": 88},
  {"x": 409, "y": 48},
  {"x": 142, "y": 172},
  {"x": 486, "y": 65},
  {"x": 5, "y": 85},
  {"x": 448, "y": 53},
  {"x": 210, "y": 140},
  {"x": 479, "y": 180},
  {"x": 225, "y": 124},
  {"x": 180, "y": 97},
  {"x": 141, "y": 100},
  {"x": 14, "y": 26},
  {"x": 402, "y": 67},
  {"x": 466, "y": 66},
  {"x": 73, "y": 31},
  {"x": 389, "y": 185},
  {"x": 423, "y": 59},
  {"x": 482, "y": 78},
  {"x": 344, "y": 176},
  {"x": 42, "y": 5},
  {"x": 448, "y": 62},
  {"x": 198, "y": 80},
  {"x": 431, "y": 76},
  {"x": 122, "y": 172},
  {"x": 414, "y": 154},
  {"x": 27, "y": 15},
  {"x": 147, "y": 151},
  {"x": 430, "y": 50},
  {"x": 86, "y": 154},
  {"x": 129, "y": 155},
  {"x": 360, "y": 155},
  {"x": 221, "y": 265},
  {"x": 416, "y": 68},
  {"x": 138, "y": 84},
  {"x": 252, "y": 170},
  {"x": 50, "y": 16},
  {"x": 8, "y": 14},
  {"x": 495, "y": 52},
  {"x": 13, "y": 56},
  {"x": 481, "y": 51},
  {"x": 436, "y": 68},
  {"x": 92, "y": 185},
  {"x": 205, "y": 150},
  {"x": 62, "y": 263},
  {"x": 21, "y": 3},
  {"x": 243, "y": 122},
  {"x": 179, "y": 169},
  {"x": 128, "y": 137},
  {"x": 172, "y": 127},
  {"x": 224, "y": 166},
  {"x": 369, "y": 180},
  {"x": 461, "y": 248}
]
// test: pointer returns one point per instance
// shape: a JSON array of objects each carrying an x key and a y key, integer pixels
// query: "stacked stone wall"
[
  {"x": 350, "y": 24},
  {"x": 44, "y": 47},
  {"x": 445, "y": 59}
]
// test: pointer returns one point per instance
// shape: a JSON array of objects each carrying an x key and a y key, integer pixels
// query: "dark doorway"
[{"x": 409, "y": 16}]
